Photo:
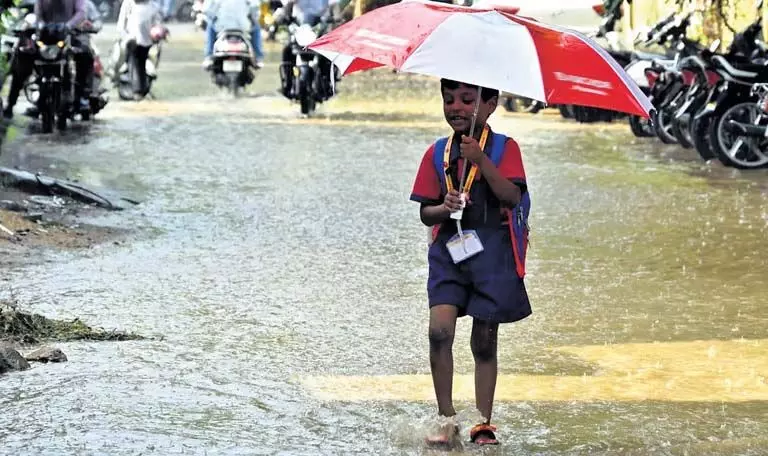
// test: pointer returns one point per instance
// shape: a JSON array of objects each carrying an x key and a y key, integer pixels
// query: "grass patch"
[{"x": 29, "y": 328}]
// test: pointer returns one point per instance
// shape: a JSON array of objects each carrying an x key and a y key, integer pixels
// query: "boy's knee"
[
  {"x": 483, "y": 350},
  {"x": 484, "y": 342},
  {"x": 440, "y": 336}
]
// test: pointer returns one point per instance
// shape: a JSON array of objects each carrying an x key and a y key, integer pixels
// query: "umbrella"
[{"x": 488, "y": 48}]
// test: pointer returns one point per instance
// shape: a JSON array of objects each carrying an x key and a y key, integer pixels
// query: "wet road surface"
[{"x": 285, "y": 268}]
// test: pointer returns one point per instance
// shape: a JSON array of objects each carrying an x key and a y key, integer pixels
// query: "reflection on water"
[{"x": 271, "y": 251}]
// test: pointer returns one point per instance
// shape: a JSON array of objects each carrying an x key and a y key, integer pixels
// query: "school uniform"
[{"x": 489, "y": 285}]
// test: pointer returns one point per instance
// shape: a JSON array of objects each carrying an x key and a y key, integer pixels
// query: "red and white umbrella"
[{"x": 488, "y": 48}]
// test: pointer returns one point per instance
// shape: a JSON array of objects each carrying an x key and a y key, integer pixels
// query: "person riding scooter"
[
  {"x": 134, "y": 24},
  {"x": 240, "y": 15}
]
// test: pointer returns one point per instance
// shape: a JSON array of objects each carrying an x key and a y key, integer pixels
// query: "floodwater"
[{"x": 282, "y": 269}]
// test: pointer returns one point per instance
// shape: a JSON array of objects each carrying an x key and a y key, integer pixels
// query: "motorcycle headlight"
[
  {"x": 305, "y": 36},
  {"x": 49, "y": 52}
]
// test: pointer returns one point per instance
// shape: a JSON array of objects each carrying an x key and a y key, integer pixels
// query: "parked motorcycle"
[
  {"x": 231, "y": 61},
  {"x": 128, "y": 75},
  {"x": 714, "y": 102},
  {"x": 641, "y": 63}
]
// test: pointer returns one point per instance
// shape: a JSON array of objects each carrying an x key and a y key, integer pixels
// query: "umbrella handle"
[
  {"x": 457, "y": 215},
  {"x": 472, "y": 134}
]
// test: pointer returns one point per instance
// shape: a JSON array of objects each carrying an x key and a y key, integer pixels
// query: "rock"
[
  {"x": 33, "y": 217},
  {"x": 10, "y": 359},
  {"x": 13, "y": 206},
  {"x": 47, "y": 354}
]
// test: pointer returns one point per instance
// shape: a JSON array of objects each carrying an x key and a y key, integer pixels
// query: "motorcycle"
[
  {"x": 231, "y": 62},
  {"x": 54, "y": 71},
  {"x": 128, "y": 74},
  {"x": 311, "y": 72},
  {"x": 641, "y": 70}
]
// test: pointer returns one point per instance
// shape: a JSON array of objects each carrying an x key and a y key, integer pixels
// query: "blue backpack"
[{"x": 517, "y": 216}]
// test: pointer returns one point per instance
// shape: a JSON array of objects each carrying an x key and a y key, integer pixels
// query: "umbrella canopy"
[{"x": 487, "y": 48}]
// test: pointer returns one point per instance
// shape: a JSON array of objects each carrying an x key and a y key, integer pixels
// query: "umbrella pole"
[
  {"x": 460, "y": 213},
  {"x": 472, "y": 134}
]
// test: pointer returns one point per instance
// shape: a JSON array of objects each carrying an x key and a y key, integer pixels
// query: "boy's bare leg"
[
  {"x": 442, "y": 327},
  {"x": 484, "y": 343}
]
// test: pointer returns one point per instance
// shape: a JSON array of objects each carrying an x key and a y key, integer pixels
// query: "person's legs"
[
  {"x": 141, "y": 53},
  {"x": 210, "y": 39},
  {"x": 83, "y": 69},
  {"x": 258, "y": 51},
  {"x": 442, "y": 327},
  {"x": 484, "y": 343},
  {"x": 21, "y": 71},
  {"x": 498, "y": 297},
  {"x": 168, "y": 7},
  {"x": 448, "y": 293},
  {"x": 286, "y": 71}
]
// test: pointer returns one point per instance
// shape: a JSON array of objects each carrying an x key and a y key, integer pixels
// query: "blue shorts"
[{"x": 485, "y": 286}]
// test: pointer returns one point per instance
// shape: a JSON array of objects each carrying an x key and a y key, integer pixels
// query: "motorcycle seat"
[
  {"x": 748, "y": 73},
  {"x": 230, "y": 32},
  {"x": 638, "y": 55},
  {"x": 664, "y": 63}
]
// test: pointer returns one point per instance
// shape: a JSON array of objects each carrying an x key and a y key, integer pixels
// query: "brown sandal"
[{"x": 483, "y": 434}]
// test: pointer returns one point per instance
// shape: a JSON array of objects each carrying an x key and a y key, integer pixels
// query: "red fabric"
[
  {"x": 511, "y": 166},
  {"x": 426, "y": 187},
  {"x": 588, "y": 76}
]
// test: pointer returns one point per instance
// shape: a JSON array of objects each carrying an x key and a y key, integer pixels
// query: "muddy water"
[{"x": 280, "y": 260}]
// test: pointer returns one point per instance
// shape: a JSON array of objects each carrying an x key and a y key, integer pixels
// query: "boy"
[{"x": 487, "y": 286}]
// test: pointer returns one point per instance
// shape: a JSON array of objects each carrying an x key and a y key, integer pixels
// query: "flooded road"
[{"x": 284, "y": 267}]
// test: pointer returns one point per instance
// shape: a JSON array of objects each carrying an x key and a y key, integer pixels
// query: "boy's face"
[{"x": 459, "y": 106}]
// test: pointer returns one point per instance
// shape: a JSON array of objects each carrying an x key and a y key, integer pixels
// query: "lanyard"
[{"x": 472, "y": 172}]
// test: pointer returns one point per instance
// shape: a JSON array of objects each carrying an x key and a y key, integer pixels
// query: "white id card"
[{"x": 460, "y": 251}]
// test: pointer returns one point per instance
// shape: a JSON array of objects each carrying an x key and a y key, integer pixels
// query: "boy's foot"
[
  {"x": 446, "y": 435},
  {"x": 483, "y": 434}
]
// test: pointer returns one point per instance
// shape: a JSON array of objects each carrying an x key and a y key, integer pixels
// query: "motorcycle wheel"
[
  {"x": 47, "y": 114},
  {"x": 515, "y": 104},
  {"x": 307, "y": 102},
  {"x": 680, "y": 131},
  {"x": 749, "y": 153},
  {"x": 700, "y": 135},
  {"x": 641, "y": 127},
  {"x": 61, "y": 121},
  {"x": 662, "y": 125},
  {"x": 583, "y": 114},
  {"x": 234, "y": 87},
  {"x": 125, "y": 84}
]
